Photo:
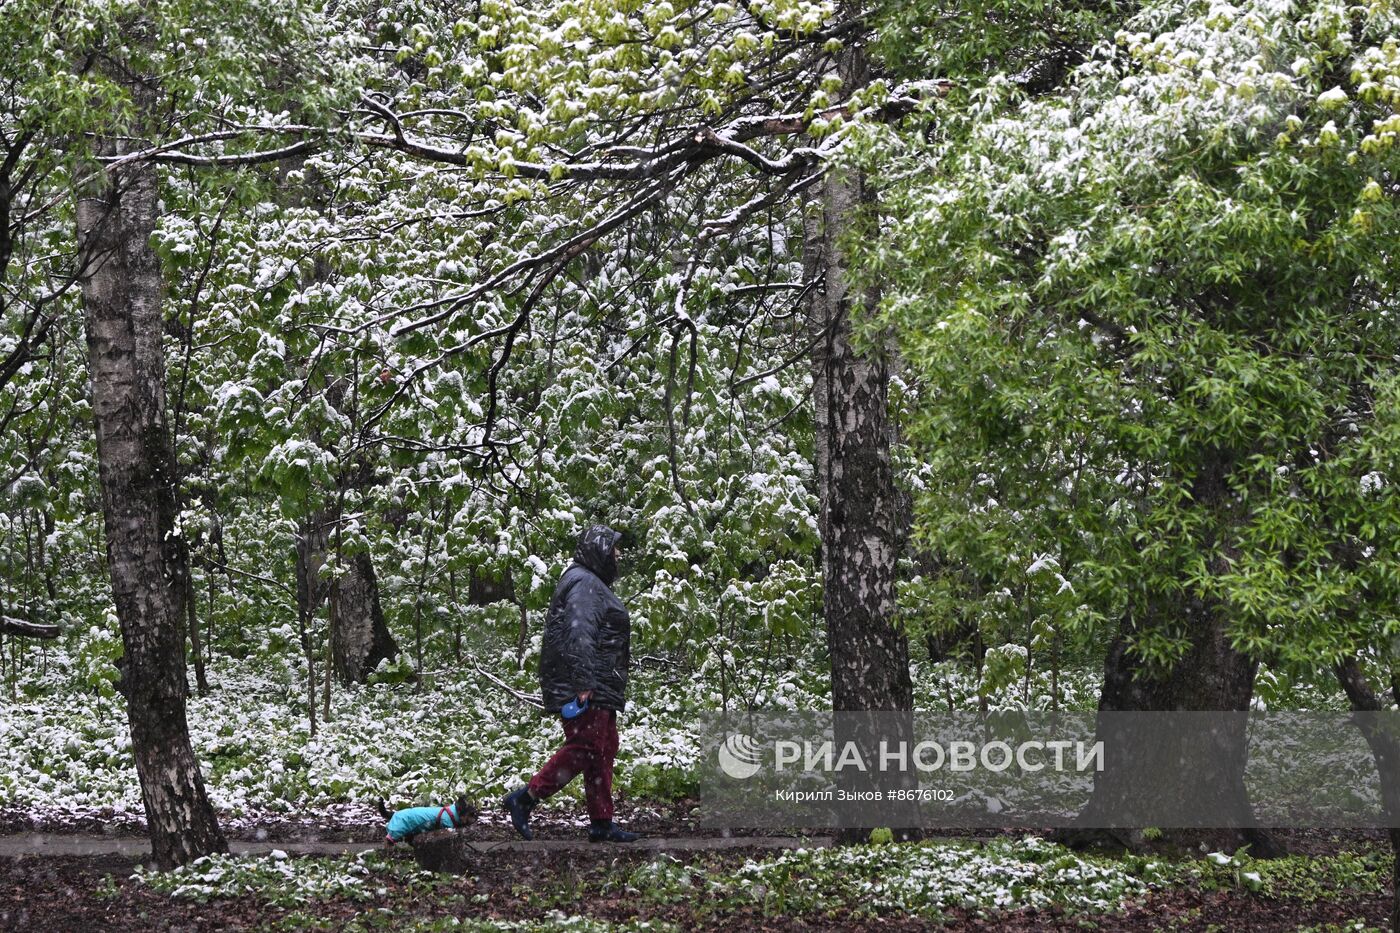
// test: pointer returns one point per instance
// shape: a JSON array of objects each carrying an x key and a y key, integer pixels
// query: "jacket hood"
[{"x": 595, "y": 551}]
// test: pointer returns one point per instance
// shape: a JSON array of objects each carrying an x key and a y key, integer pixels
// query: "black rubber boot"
[
  {"x": 518, "y": 804},
  {"x": 608, "y": 831}
]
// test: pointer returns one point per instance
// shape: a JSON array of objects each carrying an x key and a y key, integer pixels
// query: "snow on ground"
[{"x": 68, "y": 750}]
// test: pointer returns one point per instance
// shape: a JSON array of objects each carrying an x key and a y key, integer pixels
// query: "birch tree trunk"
[
  {"x": 122, "y": 293},
  {"x": 859, "y": 505},
  {"x": 860, "y": 509}
]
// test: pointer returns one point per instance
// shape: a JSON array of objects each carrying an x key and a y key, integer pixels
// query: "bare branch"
[
  {"x": 533, "y": 699},
  {"x": 570, "y": 247},
  {"x": 791, "y": 184}
]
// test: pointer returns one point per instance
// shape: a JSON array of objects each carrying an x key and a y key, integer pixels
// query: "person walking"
[{"x": 583, "y": 678}]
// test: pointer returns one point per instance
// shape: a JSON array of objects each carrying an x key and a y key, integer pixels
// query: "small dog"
[{"x": 407, "y": 824}]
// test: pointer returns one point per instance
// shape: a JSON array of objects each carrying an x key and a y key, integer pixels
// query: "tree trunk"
[
  {"x": 186, "y": 585},
  {"x": 50, "y": 585},
  {"x": 360, "y": 639},
  {"x": 859, "y": 505},
  {"x": 860, "y": 508},
  {"x": 122, "y": 292},
  {"x": 1385, "y": 750},
  {"x": 312, "y": 540},
  {"x": 311, "y": 591},
  {"x": 1212, "y": 676},
  {"x": 456, "y": 616}
]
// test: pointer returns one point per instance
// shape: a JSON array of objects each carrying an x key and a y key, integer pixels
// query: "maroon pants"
[{"x": 590, "y": 745}]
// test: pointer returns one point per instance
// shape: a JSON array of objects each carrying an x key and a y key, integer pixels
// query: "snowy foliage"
[
  {"x": 923, "y": 880},
  {"x": 1152, "y": 318},
  {"x": 278, "y": 880},
  {"x": 70, "y": 751}
]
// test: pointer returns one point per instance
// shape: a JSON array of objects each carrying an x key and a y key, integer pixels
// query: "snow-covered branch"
[
  {"x": 12, "y": 626},
  {"x": 174, "y": 152},
  {"x": 690, "y": 149}
]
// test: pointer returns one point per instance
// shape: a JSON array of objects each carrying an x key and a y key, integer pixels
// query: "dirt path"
[
  {"x": 50, "y": 844},
  {"x": 45, "y": 844}
]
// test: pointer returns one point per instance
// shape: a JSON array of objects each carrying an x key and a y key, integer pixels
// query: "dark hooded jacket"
[{"x": 587, "y": 633}]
